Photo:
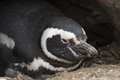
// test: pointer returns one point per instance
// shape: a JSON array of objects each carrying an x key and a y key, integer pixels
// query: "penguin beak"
[{"x": 85, "y": 49}]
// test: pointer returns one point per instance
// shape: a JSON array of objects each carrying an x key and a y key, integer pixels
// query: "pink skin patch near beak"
[
  {"x": 67, "y": 41},
  {"x": 76, "y": 42}
]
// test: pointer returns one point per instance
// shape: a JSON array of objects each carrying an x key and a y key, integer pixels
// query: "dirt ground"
[{"x": 99, "y": 72}]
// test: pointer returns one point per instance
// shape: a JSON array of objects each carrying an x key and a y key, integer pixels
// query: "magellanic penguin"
[{"x": 40, "y": 39}]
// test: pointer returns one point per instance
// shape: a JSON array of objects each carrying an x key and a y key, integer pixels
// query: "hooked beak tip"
[
  {"x": 93, "y": 53},
  {"x": 89, "y": 50}
]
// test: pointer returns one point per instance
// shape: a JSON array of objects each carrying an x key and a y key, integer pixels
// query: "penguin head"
[{"x": 65, "y": 41}]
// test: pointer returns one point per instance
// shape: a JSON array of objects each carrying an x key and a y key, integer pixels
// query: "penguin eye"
[{"x": 65, "y": 40}]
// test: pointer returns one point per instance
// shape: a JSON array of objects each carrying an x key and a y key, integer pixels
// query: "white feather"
[
  {"x": 83, "y": 31},
  {"x": 5, "y": 40}
]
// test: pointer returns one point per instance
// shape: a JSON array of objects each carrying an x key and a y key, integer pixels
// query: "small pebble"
[
  {"x": 83, "y": 78},
  {"x": 109, "y": 71},
  {"x": 80, "y": 73},
  {"x": 106, "y": 79},
  {"x": 99, "y": 70},
  {"x": 93, "y": 64}
]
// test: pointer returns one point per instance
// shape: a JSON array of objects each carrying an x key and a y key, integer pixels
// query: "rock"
[{"x": 112, "y": 8}]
